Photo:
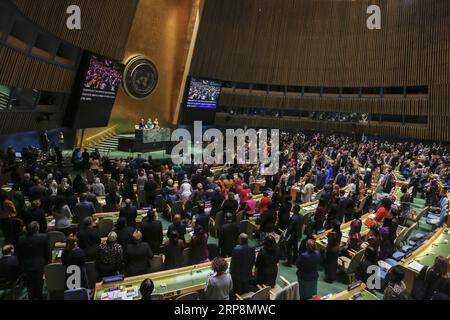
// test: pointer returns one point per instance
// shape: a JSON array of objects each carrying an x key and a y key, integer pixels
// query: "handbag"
[{"x": 420, "y": 287}]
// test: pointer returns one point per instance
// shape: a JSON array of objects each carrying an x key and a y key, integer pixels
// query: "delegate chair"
[
  {"x": 55, "y": 280},
  {"x": 262, "y": 294},
  {"x": 408, "y": 233},
  {"x": 105, "y": 226},
  {"x": 156, "y": 264},
  {"x": 193, "y": 296},
  {"x": 77, "y": 295},
  {"x": 186, "y": 254},
  {"x": 415, "y": 218},
  {"x": 240, "y": 216},
  {"x": 284, "y": 290},
  {"x": 349, "y": 265},
  {"x": 10, "y": 287},
  {"x": 91, "y": 274},
  {"x": 54, "y": 237}
]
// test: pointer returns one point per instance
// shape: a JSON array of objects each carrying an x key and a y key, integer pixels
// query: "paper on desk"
[{"x": 416, "y": 266}]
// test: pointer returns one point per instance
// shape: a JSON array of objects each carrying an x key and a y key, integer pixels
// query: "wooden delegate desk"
[
  {"x": 306, "y": 209},
  {"x": 170, "y": 283},
  {"x": 437, "y": 245},
  {"x": 322, "y": 239},
  {"x": 359, "y": 293},
  {"x": 114, "y": 216}
]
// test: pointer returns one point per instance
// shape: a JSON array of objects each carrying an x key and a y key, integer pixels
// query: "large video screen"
[
  {"x": 203, "y": 94},
  {"x": 102, "y": 80},
  {"x": 95, "y": 91}
]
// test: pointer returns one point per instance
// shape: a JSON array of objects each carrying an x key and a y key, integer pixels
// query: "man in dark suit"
[
  {"x": 152, "y": 232},
  {"x": 37, "y": 192},
  {"x": 83, "y": 209},
  {"x": 268, "y": 219},
  {"x": 150, "y": 191},
  {"x": 294, "y": 233},
  {"x": 124, "y": 232},
  {"x": 26, "y": 184},
  {"x": 9, "y": 265},
  {"x": 88, "y": 239},
  {"x": 129, "y": 212},
  {"x": 34, "y": 253},
  {"x": 178, "y": 226},
  {"x": 242, "y": 262},
  {"x": 228, "y": 237}
]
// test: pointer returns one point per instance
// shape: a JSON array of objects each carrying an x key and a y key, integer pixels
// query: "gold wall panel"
[{"x": 162, "y": 30}]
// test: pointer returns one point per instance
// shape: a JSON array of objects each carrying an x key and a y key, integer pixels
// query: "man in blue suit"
[
  {"x": 83, "y": 209},
  {"x": 242, "y": 263}
]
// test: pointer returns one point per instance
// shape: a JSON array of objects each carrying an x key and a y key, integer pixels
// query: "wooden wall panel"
[
  {"x": 20, "y": 70},
  {"x": 17, "y": 121},
  {"x": 326, "y": 43},
  {"x": 415, "y": 107},
  {"x": 105, "y": 23},
  {"x": 375, "y": 129}
]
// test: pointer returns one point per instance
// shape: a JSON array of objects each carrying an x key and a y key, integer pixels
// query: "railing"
[{"x": 100, "y": 137}]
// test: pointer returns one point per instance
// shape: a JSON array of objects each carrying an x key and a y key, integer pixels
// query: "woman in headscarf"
[
  {"x": 354, "y": 236},
  {"x": 387, "y": 233}
]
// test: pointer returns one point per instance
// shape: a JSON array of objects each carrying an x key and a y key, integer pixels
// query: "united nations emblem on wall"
[{"x": 140, "y": 77}]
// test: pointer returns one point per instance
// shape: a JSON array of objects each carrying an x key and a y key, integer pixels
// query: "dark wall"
[
  {"x": 326, "y": 43},
  {"x": 33, "y": 138},
  {"x": 105, "y": 24}
]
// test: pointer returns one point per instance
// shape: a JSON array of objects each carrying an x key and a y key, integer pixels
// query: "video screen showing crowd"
[
  {"x": 336, "y": 201},
  {"x": 102, "y": 75},
  {"x": 203, "y": 94}
]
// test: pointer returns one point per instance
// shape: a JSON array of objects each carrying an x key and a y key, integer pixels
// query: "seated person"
[
  {"x": 9, "y": 265},
  {"x": 438, "y": 215},
  {"x": 396, "y": 288},
  {"x": 146, "y": 289},
  {"x": 149, "y": 124},
  {"x": 219, "y": 284},
  {"x": 156, "y": 124}
]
